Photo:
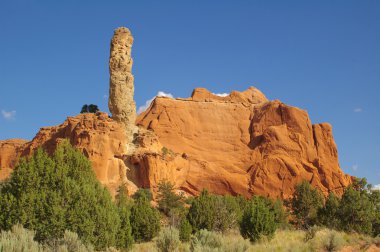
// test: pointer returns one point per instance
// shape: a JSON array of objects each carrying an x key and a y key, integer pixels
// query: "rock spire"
[{"x": 121, "y": 103}]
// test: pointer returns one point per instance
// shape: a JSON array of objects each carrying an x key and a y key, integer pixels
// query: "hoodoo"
[{"x": 121, "y": 103}]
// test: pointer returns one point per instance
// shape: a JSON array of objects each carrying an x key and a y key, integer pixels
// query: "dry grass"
[{"x": 284, "y": 241}]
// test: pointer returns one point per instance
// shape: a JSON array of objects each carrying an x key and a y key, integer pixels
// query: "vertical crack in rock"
[{"x": 121, "y": 103}]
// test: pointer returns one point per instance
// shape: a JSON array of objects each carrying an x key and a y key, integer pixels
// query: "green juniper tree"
[
  {"x": 258, "y": 220},
  {"x": 329, "y": 214},
  {"x": 124, "y": 204},
  {"x": 52, "y": 194},
  {"x": 305, "y": 205},
  {"x": 145, "y": 220},
  {"x": 356, "y": 212}
]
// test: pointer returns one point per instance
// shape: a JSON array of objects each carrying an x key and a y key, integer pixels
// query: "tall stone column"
[{"x": 121, "y": 103}]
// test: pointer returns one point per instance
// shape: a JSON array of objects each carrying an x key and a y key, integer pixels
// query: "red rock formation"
[
  {"x": 10, "y": 151},
  {"x": 100, "y": 138},
  {"x": 238, "y": 144}
]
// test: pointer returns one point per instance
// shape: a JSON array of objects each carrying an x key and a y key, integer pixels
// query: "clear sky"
[{"x": 321, "y": 56}]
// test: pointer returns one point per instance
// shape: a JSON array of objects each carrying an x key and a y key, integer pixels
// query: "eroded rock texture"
[
  {"x": 121, "y": 103},
  {"x": 239, "y": 144},
  {"x": 100, "y": 139},
  {"x": 10, "y": 152}
]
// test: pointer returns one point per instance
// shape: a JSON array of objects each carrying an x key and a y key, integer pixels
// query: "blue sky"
[{"x": 322, "y": 56}]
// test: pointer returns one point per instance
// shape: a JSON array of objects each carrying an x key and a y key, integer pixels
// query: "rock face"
[
  {"x": 121, "y": 103},
  {"x": 10, "y": 152},
  {"x": 239, "y": 144},
  {"x": 100, "y": 138}
]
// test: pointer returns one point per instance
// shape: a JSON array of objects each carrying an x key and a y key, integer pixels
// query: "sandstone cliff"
[
  {"x": 100, "y": 138},
  {"x": 238, "y": 144}
]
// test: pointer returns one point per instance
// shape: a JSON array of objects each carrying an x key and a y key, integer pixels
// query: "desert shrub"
[
  {"x": 201, "y": 212},
  {"x": 19, "y": 239},
  {"x": 334, "y": 242},
  {"x": 234, "y": 243},
  {"x": 310, "y": 233},
  {"x": 258, "y": 220},
  {"x": 205, "y": 240},
  {"x": 168, "y": 201},
  {"x": 168, "y": 240},
  {"x": 226, "y": 213},
  {"x": 328, "y": 240},
  {"x": 145, "y": 220},
  {"x": 305, "y": 204},
  {"x": 69, "y": 242},
  {"x": 185, "y": 230},
  {"x": 328, "y": 214},
  {"x": 212, "y": 212},
  {"x": 58, "y": 193}
]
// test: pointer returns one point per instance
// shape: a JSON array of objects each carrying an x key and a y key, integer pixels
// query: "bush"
[
  {"x": 305, "y": 204},
  {"x": 19, "y": 239},
  {"x": 209, "y": 241},
  {"x": 334, "y": 242},
  {"x": 145, "y": 220},
  {"x": 258, "y": 220},
  {"x": 226, "y": 213},
  {"x": 89, "y": 108},
  {"x": 185, "y": 230},
  {"x": 69, "y": 242},
  {"x": 58, "y": 193},
  {"x": 328, "y": 240},
  {"x": 168, "y": 240},
  {"x": 201, "y": 212},
  {"x": 205, "y": 240},
  {"x": 310, "y": 233},
  {"x": 212, "y": 212}
]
